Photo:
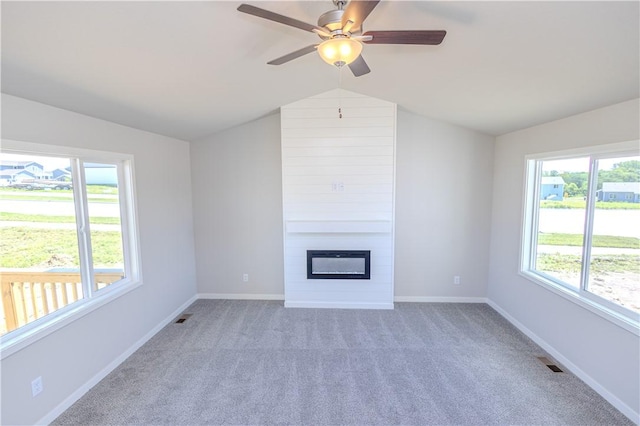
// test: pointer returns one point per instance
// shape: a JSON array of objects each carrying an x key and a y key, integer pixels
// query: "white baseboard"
[
  {"x": 337, "y": 305},
  {"x": 240, "y": 296},
  {"x": 340, "y": 305},
  {"x": 71, "y": 399},
  {"x": 606, "y": 394},
  {"x": 429, "y": 299}
]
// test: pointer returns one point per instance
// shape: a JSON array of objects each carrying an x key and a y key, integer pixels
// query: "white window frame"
[
  {"x": 94, "y": 299},
  {"x": 613, "y": 312}
]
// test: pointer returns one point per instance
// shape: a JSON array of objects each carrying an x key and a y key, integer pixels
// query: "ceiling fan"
[{"x": 341, "y": 33}]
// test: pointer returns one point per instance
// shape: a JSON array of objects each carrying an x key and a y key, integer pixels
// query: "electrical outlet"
[
  {"x": 245, "y": 278},
  {"x": 456, "y": 279},
  {"x": 36, "y": 386}
]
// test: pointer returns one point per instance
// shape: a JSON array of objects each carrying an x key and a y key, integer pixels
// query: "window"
[
  {"x": 67, "y": 235},
  {"x": 586, "y": 244}
]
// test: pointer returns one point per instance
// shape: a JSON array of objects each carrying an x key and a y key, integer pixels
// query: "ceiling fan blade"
[
  {"x": 357, "y": 11},
  {"x": 293, "y": 55},
  {"x": 262, "y": 13},
  {"x": 359, "y": 67},
  {"x": 322, "y": 33},
  {"x": 405, "y": 37}
]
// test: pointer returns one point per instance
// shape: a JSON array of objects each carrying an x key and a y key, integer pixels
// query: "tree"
[
  {"x": 572, "y": 190},
  {"x": 625, "y": 171},
  {"x": 579, "y": 180}
]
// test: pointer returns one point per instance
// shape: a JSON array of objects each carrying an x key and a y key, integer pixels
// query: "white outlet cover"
[{"x": 36, "y": 386}]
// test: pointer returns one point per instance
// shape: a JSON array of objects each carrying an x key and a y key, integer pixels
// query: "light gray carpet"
[{"x": 255, "y": 362}]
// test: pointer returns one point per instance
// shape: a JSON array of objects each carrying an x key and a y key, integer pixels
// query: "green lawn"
[
  {"x": 91, "y": 189},
  {"x": 579, "y": 203},
  {"x": 598, "y": 240},
  {"x": 44, "y": 196},
  {"x": 600, "y": 264},
  {"x": 7, "y": 193},
  {"x": 28, "y": 247},
  {"x": 101, "y": 189},
  {"x": 21, "y": 217}
]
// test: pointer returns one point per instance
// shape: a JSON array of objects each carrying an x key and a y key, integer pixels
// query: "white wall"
[
  {"x": 237, "y": 191},
  {"x": 604, "y": 355},
  {"x": 75, "y": 356},
  {"x": 338, "y": 194},
  {"x": 443, "y": 210}
]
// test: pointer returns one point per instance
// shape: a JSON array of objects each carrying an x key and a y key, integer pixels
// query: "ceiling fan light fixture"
[{"x": 339, "y": 51}]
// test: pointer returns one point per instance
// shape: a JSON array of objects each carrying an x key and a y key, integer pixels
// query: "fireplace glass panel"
[{"x": 338, "y": 264}]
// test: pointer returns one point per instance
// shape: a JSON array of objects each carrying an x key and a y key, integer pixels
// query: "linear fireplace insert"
[{"x": 339, "y": 264}]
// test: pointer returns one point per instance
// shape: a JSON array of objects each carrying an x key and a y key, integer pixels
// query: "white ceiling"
[{"x": 190, "y": 69}]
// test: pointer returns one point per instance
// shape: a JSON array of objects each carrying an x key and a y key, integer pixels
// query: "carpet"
[{"x": 257, "y": 363}]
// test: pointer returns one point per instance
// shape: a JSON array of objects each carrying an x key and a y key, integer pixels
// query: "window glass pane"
[
  {"x": 105, "y": 223},
  {"x": 562, "y": 191},
  {"x": 39, "y": 260},
  {"x": 614, "y": 266}
]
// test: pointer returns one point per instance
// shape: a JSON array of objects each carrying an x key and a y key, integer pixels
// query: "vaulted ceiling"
[{"x": 191, "y": 69}]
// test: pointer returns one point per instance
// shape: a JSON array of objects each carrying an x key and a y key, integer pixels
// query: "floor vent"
[
  {"x": 183, "y": 318},
  {"x": 546, "y": 361}
]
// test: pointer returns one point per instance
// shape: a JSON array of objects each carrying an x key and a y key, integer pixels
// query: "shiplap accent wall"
[{"x": 338, "y": 194}]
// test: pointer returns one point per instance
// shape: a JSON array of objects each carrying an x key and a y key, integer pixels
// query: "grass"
[
  {"x": 7, "y": 193},
  {"x": 21, "y": 217},
  {"x": 91, "y": 189},
  {"x": 558, "y": 262},
  {"x": 598, "y": 240},
  {"x": 600, "y": 264},
  {"x": 27, "y": 247},
  {"x": 101, "y": 189},
  {"x": 43, "y": 196},
  {"x": 574, "y": 203}
]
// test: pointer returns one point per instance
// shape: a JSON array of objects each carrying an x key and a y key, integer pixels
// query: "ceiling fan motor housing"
[{"x": 332, "y": 20}]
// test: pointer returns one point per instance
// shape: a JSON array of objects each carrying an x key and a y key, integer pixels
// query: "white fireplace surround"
[
  {"x": 338, "y": 179},
  {"x": 338, "y": 226}
]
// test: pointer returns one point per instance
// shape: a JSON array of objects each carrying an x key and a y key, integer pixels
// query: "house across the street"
[
  {"x": 552, "y": 188},
  {"x": 627, "y": 192},
  {"x": 8, "y": 176}
]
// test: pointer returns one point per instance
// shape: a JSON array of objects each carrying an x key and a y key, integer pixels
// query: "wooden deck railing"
[{"x": 27, "y": 296}]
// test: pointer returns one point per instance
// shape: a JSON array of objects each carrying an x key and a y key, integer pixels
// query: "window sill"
[
  {"x": 629, "y": 324},
  {"x": 31, "y": 333}
]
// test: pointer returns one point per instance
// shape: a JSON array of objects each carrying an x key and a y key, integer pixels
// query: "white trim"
[
  {"x": 623, "y": 321},
  {"x": 601, "y": 390},
  {"x": 439, "y": 299},
  {"x": 392, "y": 290},
  {"x": 23, "y": 336},
  {"x": 607, "y": 309},
  {"x": 339, "y": 226},
  {"x": 20, "y": 147},
  {"x": 240, "y": 296},
  {"x": 599, "y": 150},
  {"x": 336, "y": 305},
  {"x": 78, "y": 393},
  {"x": 37, "y": 330}
]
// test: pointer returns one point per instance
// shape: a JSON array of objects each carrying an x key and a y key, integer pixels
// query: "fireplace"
[{"x": 339, "y": 264}]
